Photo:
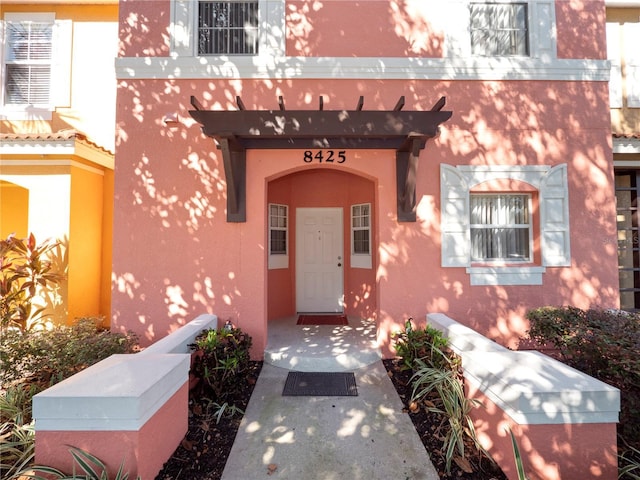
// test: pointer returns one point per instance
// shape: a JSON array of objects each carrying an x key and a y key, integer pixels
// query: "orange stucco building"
[{"x": 57, "y": 122}]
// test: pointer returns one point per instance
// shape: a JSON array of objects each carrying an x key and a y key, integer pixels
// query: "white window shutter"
[
  {"x": 554, "y": 218},
  {"x": 632, "y": 62},
  {"x": 61, "y": 64},
  {"x": 454, "y": 218},
  {"x": 614, "y": 56}
]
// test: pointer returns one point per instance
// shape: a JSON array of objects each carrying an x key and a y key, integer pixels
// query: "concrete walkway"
[{"x": 364, "y": 437}]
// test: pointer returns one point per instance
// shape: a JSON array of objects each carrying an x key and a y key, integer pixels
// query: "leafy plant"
[
  {"x": 451, "y": 402},
  {"x": 518, "y": 457},
  {"x": 222, "y": 362},
  {"x": 413, "y": 344},
  {"x": 438, "y": 384},
  {"x": 45, "y": 357},
  {"x": 16, "y": 431},
  {"x": 25, "y": 268},
  {"x": 31, "y": 361},
  {"x": 630, "y": 464},
  {"x": 91, "y": 468}
]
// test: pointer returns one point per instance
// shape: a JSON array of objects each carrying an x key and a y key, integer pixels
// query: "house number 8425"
[{"x": 326, "y": 156}]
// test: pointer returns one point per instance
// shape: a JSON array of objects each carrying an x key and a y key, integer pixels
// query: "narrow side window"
[
  {"x": 361, "y": 236},
  {"x": 278, "y": 236}
]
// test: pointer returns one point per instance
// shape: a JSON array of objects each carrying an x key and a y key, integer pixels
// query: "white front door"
[{"x": 319, "y": 262}]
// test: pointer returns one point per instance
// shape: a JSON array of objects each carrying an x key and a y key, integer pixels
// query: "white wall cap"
[
  {"x": 119, "y": 393},
  {"x": 529, "y": 386},
  {"x": 533, "y": 388},
  {"x": 178, "y": 341},
  {"x": 462, "y": 338}
]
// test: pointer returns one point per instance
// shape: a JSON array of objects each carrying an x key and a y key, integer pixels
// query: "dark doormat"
[
  {"x": 322, "y": 320},
  {"x": 320, "y": 384}
]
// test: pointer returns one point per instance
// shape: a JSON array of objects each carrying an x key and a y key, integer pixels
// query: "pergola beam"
[{"x": 406, "y": 132}]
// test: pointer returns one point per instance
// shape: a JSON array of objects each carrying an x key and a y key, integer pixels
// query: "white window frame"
[
  {"x": 500, "y": 197},
  {"x": 541, "y": 26},
  {"x": 632, "y": 63},
  {"x": 526, "y": 28},
  {"x": 60, "y": 87},
  {"x": 614, "y": 55},
  {"x": 184, "y": 32},
  {"x": 279, "y": 259},
  {"x": 551, "y": 183},
  {"x": 361, "y": 260}
]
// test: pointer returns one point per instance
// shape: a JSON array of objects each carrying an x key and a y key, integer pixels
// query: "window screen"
[
  {"x": 499, "y": 29},
  {"x": 229, "y": 27}
]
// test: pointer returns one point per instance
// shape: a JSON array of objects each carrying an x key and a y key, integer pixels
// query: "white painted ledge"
[
  {"x": 529, "y": 386},
  {"x": 178, "y": 341},
  {"x": 120, "y": 393}
]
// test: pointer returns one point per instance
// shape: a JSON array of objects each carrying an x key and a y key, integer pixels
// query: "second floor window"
[
  {"x": 28, "y": 62},
  {"x": 228, "y": 27},
  {"x": 500, "y": 228},
  {"x": 499, "y": 29}
]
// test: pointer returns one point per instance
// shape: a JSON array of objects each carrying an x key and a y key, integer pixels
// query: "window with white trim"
[
  {"x": 28, "y": 62},
  {"x": 456, "y": 186},
  {"x": 227, "y": 28},
  {"x": 36, "y": 65},
  {"x": 499, "y": 29},
  {"x": 278, "y": 236},
  {"x": 501, "y": 229},
  {"x": 361, "y": 235}
]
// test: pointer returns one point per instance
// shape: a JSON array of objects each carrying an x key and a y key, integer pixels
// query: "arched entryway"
[{"x": 322, "y": 237}]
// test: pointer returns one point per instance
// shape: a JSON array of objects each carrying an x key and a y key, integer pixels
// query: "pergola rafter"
[{"x": 235, "y": 131}]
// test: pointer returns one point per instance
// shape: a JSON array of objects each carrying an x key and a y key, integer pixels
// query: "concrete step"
[{"x": 321, "y": 348}]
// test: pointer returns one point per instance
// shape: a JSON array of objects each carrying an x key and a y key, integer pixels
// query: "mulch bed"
[{"x": 204, "y": 450}]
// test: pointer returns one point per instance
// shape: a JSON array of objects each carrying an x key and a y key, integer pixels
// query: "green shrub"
[
  {"x": 428, "y": 344},
  {"x": 221, "y": 363},
  {"x": 603, "y": 344},
  {"x": 46, "y": 357}
]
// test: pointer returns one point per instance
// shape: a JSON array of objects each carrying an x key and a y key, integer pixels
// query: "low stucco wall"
[
  {"x": 126, "y": 408},
  {"x": 564, "y": 420}
]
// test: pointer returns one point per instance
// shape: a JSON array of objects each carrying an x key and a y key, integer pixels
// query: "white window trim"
[
  {"x": 277, "y": 261},
  {"x": 553, "y": 196},
  {"x": 632, "y": 63},
  {"x": 457, "y": 62},
  {"x": 361, "y": 260},
  {"x": 614, "y": 54},
  {"x": 60, "y": 89}
]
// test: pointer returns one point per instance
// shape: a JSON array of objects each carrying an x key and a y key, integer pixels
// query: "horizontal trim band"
[{"x": 262, "y": 67}]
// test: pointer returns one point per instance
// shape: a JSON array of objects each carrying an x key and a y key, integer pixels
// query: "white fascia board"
[
  {"x": 622, "y": 3},
  {"x": 626, "y": 145},
  {"x": 57, "y": 147},
  {"x": 263, "y": 67}
]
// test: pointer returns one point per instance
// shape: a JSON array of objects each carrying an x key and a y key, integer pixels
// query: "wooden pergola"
[{"x": 235, "y": 131}]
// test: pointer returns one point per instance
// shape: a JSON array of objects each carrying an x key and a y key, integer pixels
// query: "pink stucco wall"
[
  {"x": 550, "y": 451},
  {"x": 143, "y": 452},
  {"x": 176, "y": 256}
]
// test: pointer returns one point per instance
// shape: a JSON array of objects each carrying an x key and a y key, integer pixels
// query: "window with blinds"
[
  {"x": 500, "y": 227},
  {"x": 229, "y": 27},
  {"x": 28, "y": 62},
  {"x": 499, "y": 29}
]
